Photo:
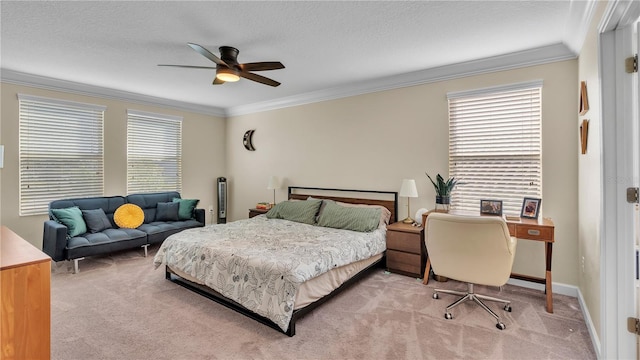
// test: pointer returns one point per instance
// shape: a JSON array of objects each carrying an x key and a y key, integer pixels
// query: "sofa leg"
[
  {"x": 145, "y": 249},
  {"x": 75, "y": 265}
]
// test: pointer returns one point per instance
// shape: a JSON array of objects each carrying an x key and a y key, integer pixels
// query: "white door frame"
[{"x": 617, "y": 261}]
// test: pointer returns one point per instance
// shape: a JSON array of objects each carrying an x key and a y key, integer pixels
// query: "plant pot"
[{"x": 442, "y": 203}]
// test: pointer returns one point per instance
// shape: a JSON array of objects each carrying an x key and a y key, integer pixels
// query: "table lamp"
[
  {"x": 409, "y": 190},
  {"x": 273, "y": 185}
]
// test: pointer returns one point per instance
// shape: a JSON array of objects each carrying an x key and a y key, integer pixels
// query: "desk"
[{"x": 526, "y": 229}]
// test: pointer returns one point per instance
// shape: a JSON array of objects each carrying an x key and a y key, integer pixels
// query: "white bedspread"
[{"x": 260, "y": 263}]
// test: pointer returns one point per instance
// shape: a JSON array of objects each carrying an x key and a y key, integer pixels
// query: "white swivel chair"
[{"x": 472, "y": 249}]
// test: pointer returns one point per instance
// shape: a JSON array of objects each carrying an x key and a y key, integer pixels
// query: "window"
[
  {"x": 154, "y": 152},
  {"x": 495, "y": 145},
  {"x": 60, "y": 151}
]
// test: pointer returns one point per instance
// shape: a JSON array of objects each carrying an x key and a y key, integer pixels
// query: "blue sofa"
[{"x": 57, "y": 244}]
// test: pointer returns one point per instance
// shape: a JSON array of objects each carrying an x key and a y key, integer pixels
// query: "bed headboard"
[{"x": 388, "y": 199}]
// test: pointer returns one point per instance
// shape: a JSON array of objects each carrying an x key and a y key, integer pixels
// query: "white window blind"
[
  {"x": 154, "y": 152},
  {"x": 495, "y": 145},
  {"x": 60, "y": 151}
]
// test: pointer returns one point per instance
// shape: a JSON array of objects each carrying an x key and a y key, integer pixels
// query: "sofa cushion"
[
  {"x": 96, "y": 220},
  {"x": 129, "y": 216},
  {"x": 149, "y": 202},
  {"x": 71, "y": 218},
  {"x": 186, "y": 208},
  {"x": 167, "y": 211}
]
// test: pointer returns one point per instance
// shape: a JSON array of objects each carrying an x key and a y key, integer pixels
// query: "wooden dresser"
[
  {"x": 406, "y": 252},
  {"x": 25, "y": 315}
]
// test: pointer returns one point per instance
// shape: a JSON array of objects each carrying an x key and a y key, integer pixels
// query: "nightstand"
[
  {"x": 256, "y": 212},
  {"x": 406, "y": 252}
]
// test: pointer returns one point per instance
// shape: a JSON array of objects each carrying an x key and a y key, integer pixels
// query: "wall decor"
[
  {"x": 247, "y": 140},
  {"x": 584, "y": 135},
  {"x": 491, "y": 207},
  {"x": 530, "y": 208},
  {"x": 584, "y": 100}
]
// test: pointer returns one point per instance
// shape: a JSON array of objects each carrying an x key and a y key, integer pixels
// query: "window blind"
[
  {"x": 495, "y": 146},
  {"x": 60, "y": 151},
  {"x": 154, "y": 152}
]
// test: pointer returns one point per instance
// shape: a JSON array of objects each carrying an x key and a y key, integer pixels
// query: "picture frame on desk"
[
  {"x": 530, "y": 208},
  {"x": 491, "y": 207}
]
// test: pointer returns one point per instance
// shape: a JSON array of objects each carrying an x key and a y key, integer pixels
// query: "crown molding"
[
  {"x": 47, "y": 83},
  {"x": 577, "y": 27},
  {"x": 531, "y": 57}
]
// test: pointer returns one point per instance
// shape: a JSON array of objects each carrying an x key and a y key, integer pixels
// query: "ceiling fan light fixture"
[{"x": 227, "y": 75}]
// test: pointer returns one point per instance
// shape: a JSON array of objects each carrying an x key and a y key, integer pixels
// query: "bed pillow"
[
  {"x": 385, "y": 214},
  {"x": 167, "y": 211},
  {"x": 96, "y": 220},
  {"x": 349, "y": 218},
  {"x": 185, "y": 210},
  {"x": 72, "y": 219},
  {"x": 298, "y": 211}
]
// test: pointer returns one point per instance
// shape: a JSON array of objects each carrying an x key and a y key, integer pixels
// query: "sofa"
[{"x": 102, "y": 235}]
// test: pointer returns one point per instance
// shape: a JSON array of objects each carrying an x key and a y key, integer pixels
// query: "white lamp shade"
[
  {"x": 408, "y": 188},
  {"x": 273, "y": 183}
]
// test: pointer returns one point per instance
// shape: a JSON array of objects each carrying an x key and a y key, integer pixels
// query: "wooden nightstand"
[
  {"x": 256, "y": 212},
  {"x": 406, "y": 253}
]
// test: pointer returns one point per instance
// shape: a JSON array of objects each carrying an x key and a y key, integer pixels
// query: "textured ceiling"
[{"x": 325, "y": 46}]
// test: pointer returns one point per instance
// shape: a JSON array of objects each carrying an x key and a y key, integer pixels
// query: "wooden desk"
[{"x": 526, "y": 229}]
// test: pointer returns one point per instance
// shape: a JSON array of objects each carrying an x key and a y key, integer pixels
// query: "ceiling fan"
[{"x": 229, "y": 70}]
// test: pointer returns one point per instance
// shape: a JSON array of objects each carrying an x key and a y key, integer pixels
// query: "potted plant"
[{"x": 443, "y": 190}]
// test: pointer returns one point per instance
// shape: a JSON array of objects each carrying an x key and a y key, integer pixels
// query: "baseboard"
[{"x": 573, "y": 291}]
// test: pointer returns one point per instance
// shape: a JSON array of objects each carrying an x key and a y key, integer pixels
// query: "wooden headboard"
[{"x": 302, "y": 193}]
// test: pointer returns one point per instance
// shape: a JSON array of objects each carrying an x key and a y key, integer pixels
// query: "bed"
[{"x": 277, "y": 268}]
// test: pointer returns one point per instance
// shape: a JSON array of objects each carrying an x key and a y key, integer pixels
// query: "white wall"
[
  {"x": 373, "y": 141},
  {"x": 203, "y": 154}
]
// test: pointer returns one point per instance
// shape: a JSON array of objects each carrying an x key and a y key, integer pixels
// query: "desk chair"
[{"x": 472, "y": 249}]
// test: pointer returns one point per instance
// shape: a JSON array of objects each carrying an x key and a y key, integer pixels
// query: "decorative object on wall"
[
  {"x": 274, "y": 184},
  {"x": 530, "y": 208},
  {"x": 584, "y": 135},
  {"x": 443, "y": 191},
  {"x": 247, "y": 140},
  {"x": 409, "y": 190},
  {"x": 491, "y": 207},
  {"x": 584, "y": 100}
]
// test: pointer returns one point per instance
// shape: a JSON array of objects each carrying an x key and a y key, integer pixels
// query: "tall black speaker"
[{"x": 222, "y": 200}]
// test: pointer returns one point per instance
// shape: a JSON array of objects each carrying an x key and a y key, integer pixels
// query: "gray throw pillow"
[
  {"x": 96, "y": 220},
  {"x": 167, "y": 211}
]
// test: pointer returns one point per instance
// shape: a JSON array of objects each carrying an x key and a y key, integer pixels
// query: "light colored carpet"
[{"x": 119, "y": 307}]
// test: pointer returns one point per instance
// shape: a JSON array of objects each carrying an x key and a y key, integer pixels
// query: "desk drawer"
[
  {"x": 533, "y": 232},
  {"x": 403, "y": 241},
  {"x": 410, "y": 263}
]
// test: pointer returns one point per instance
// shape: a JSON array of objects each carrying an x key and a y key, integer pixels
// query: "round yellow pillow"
[{"x": 128, "y": 216}]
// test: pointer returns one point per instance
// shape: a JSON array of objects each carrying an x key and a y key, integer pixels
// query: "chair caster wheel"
[
  {"x": 435, "y": 296},
  {"x": 501, "y": 326},
  {"x": 448, "y": 316},
  {"x": 507, "y": 308}
]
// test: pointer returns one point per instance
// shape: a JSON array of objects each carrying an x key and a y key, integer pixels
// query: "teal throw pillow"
[
  {"x": 185, "y": 211},
  {"x": 298, "y": 211},
  {"x": 72, "y": 219},
  {"x": 349, "y": 218}
]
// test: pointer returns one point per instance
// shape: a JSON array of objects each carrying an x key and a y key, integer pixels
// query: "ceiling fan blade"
[
  {"x": 217, "y": 81},
  {"x": 258, "y": 78},
  {"x": 190, "y": 66},
  {"x": 206, "y": 53},
  {"x": 262, "y": 66}
]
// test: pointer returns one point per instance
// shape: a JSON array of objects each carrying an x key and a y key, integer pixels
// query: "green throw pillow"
[
  {"x": 72, "y": 219},
  {"x": 185, "y": 212},
  {"x": 298, "y": 211},
  {"x": 349, "y": 218}
]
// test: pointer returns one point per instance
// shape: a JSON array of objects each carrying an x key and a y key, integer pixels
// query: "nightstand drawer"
[
  {"x": 403, "y": 241},
  {"x": 402, "y": 261}
]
